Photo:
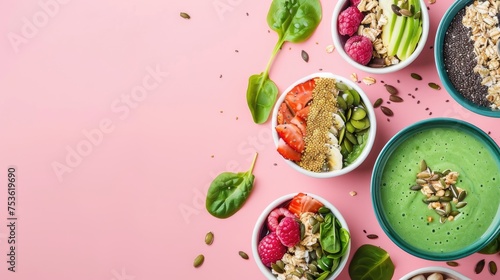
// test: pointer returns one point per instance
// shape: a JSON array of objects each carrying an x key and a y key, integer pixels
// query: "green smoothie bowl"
[{"x": 435, "y": 189}]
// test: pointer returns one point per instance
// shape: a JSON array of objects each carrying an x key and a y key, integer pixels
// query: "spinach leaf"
[
  {"x": 229, "y": 191},
  {"x": 371, "y": 262},
  {"x": 294, "y": 21},
  {"x": 344, "y": 237},
  {"x": 328, "y": 235}
]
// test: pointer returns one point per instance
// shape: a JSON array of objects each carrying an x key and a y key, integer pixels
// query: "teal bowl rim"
[
  {"x": 492, "y": 231},
  {"x": 438, "y": 54}
]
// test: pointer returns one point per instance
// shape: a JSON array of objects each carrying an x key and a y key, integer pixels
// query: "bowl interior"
[
  {"x": 447, "y": 272},
  {"x": 401, "y": 212},
  {"x": 340, "y": 40},
  {"x": 439, "y": 58},
  {"x": 372, "y": 130},
  {"x": 260, "y": 229}
]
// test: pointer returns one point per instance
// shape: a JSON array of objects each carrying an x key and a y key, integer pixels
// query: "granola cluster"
[{"x": 481, "y": 18}]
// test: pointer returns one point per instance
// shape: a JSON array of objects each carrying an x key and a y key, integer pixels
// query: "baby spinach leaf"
[
  {"x": 344, "y": 237},
  {"x": 328, "y": 236},
  {"x": 229, "y": 191},
  {"x": 294, "y": 21},
  {"x": 371, "y": 262}
]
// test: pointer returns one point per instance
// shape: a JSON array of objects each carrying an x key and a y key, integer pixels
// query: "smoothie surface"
[{"x": 442, "y": 148}]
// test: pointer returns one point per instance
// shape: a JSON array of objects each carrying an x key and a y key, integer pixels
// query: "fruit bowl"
[
  {"x": 447, "y": 273},
  {"x": 431, "y": 200},
  {"x": 452, "y": 44},
  {"x": 343, "y": 131},
  {"x": 395, "y": 39},
  {"x": 324, "y": 236}
]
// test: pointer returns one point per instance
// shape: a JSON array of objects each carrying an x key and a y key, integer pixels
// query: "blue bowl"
[
  {"x": 443, "y": 76},
  {"x": 442, "y": 142}
]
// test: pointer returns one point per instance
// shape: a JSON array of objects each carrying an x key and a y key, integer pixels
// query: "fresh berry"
[
  {"x": 302, "y": 203},
  {"x": 288, "y": 232},
  {"x": 287, "y": 152},
  {"x": 270, "y": 249},
  {"x": 359, "y": 48},
  {"x": 300, "y": 119},
  {"x": 284, "y": 114},
  {"x": 300, "y": 95},
  {"x": 349, "y": 21},
  {"x": 355, "y": 3},
  {"x": 276, "y": 216},
  {"x": 292, "y": 135}
]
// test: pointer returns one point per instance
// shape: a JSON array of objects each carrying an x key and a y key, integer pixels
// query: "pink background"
[{"x": 131, "y": 206}]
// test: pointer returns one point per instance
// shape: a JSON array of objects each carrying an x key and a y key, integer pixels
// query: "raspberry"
[
  {"x": 355, "y": 3},
  {"x": 270, "y": 249},
  {"x": 275, "y": 216},
  {"x": 349, "y": 21},
  {"x": 359, "y": 48},
  {"x": 288, "y": 232}
]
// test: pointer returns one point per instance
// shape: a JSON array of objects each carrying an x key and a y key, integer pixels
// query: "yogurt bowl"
[
  {"x": 435, "y": 189},
  {"x": 426, "y": 272},
  {"x": 323, "y": 125},
  {"x": 303, "y": 235}
]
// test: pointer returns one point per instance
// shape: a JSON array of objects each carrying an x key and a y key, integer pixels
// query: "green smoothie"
[{"x": 442, "y": 148}]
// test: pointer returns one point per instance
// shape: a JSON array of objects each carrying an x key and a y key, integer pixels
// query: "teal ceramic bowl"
[
  {"x": 439, "y": 59},
  {"x": 443, "y": 143}
]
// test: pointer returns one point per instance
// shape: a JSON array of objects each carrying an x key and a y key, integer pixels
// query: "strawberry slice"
[
  {"x": 287, "y": 152},
  {"x": 302, "y": 203},
  {"x": 300, "y": 119},
  {"x": 292, "y": 135},
  {"x": 300, "y": 95},
  {"x": 284, "y": 114}
]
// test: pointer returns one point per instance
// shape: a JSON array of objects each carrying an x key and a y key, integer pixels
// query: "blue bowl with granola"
[{"x": 474, "y": 82}]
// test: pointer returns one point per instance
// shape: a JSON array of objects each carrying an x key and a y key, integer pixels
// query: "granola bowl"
[
  {"x": 470, "y": 83},
  {"x": 447, "y": 273},
  {"x": 396, "y": 35},
  {"x": 431, "y": 200},
  {"x": 323, "y": 125},
  {"x": 303, "y": 235}
]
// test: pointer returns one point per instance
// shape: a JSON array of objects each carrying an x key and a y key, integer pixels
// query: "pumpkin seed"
[
  {"x": 452, "y": 263},
  {"x": 461, "y": 195},
  {"x": 372, "y": 236},
  {"x": 395, "y": 98},
  {"x": 198, "y": 261},
  {"x": 479, "y": 266},
  {"x": 434, "y": 86},
  {"x": 388, "y": 112},
  {"x": 423, "y": 175},
  {"x": 434, "y": 177},
  {"x": 417, "y": 15},
  {"x": 454, "y": 213},
  {"x": 315, "y": 228},
  {"x": 447, "y": 209},
  {"x": 312, "y": 221},
  {"x": 277, "y": 268},
  {"x": 416, "y": 187},
  {"x": 405, "y": 12},
  {"x": 446, "y": 172},
  {"x": 492, "y": 267},
  {"x": 303, "y": 230},
  {"x": 454, "y": 191},
  {"x": 461, "y": 204},
  {"x": 416, "y": 76},
  {"x": 377, "y": 103},
  {"x": 444, "y": 199},
  {"x": 309, "y": 276},
  {"x": 395, "y": 8},
  {"x": 442, "y": 219},
  {"x": 324, "y": 210},
  {"x": 185, "y": 15},
  {"x": 243, "y": 255},
  {"x": 319, "y": 253},
  {"x": 440, "y": 212},
  {"x": 281, "y": 264},
  {"x": 423, "y": 165},
  {"x": 312, "y": 255},
  {"x": 391, "y": 89},
  {"x": 421, "y": 181},
  {"x": 209, "y": 238},
  {"x": 305, "y": 56},
  {"x": 433, "y": 198}
]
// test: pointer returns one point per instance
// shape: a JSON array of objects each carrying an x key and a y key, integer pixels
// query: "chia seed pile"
[{"x": 459, "y": 62}]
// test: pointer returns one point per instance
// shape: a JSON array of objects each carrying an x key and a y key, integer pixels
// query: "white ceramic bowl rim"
[
  {"x": 340, "y": 48},
  {"x": 262, "y": 219},
  {"x": 431, "y": 269},
  {"x": 371, "y": 136}
]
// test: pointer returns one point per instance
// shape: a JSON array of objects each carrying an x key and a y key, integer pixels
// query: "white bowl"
[
  {"x": 431, "y": 269},
  {"x": 262, "y": 220},
  {"x": 372, "y": 130},
  {"x": 339, "y": 41}
]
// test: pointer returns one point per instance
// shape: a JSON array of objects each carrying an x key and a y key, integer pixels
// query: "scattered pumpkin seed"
[
  {"x": 416, "y": 187},
  {"x": 434, "y": 86},
  {"x": 388, "y": 112},
  {"x": 209, "y": 238},
  {"x": 372, "y": 236},
  {"x": 461, "y": 204},
  {"x": 315, "y": 228},
  {"x": 281, "y": 264},
  {"x": 461, "y": 196},
  {"x": 479, "y": 266},
  {"x": 395, "y": 8},
  {"x": 303, "y": 230},
  {"x": 395, "y": 98},
  {"x": 452, "y": 263},
  {"x": 185, "y": 15},
  {"x": 416, "y": 76},
  {"x": 377, "y": 103},
  {"x": 198, "y": 261},
  {"x": 423, "y": 165},
  {"x": 492, "y": 267},
  {"x": 277, "y": 268},
  {"x": 391, "y": 89},
  {"x": 305, "y": 56},
  {"x": 243, "y": 255},
  {"x": 405, "y": 12}
]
